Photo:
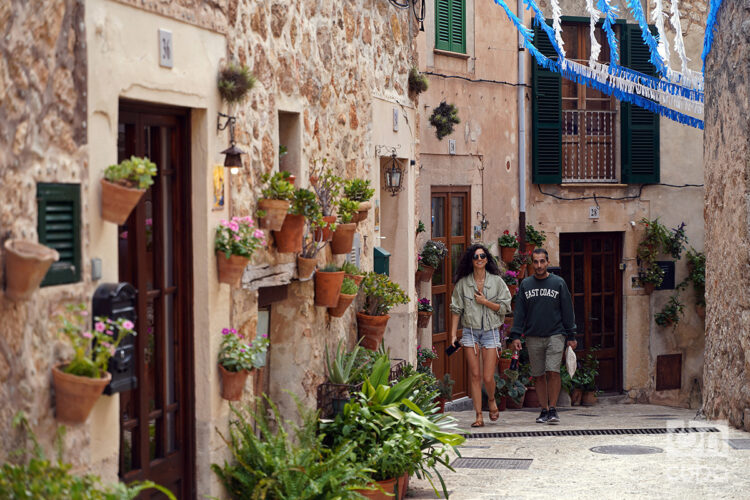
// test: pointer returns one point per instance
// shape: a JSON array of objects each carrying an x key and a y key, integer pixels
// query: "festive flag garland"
[{"x": 713, "y": 12}]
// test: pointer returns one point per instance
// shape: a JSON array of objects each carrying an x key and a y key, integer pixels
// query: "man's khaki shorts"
[{"x": 545, "y": 353}]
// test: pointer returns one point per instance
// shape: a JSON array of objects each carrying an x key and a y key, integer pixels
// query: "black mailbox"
[{"x": 117, "y": 300}]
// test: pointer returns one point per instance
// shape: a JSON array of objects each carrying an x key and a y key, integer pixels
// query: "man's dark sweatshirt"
[{"x": 543, "y": 308}]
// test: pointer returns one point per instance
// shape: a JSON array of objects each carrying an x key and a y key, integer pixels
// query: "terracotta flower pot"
[
  {"x": 427, "y": 363},
  {"x": 423, "y": 318},
  {"x": 531, "y": 400},
  {"x": 387, "y": 485},
  {"x": 356, "y": 278},
  {"x": 289, "y": 238},
  {"x": 75, "y": 396},
  {"x": 325, "y": 233},
  {"x": 441, "y": 404},
  {"x": 231, "y": 269},
  {"x": 502, "y": 365},
  {"x": 118, "y": 201},
  {"x": 26, "y": 263},
  {"x": 530, "y": 248},
  {"x": 575, "y": 397},
  {"x": 344, "y": 302},
  {"x": 305, "y": 268},
  {"x": 371, "y": 329},
  {"x": 403, "y": 485},
  {"x": 232, "y": 383},
  {"x": 343, "y": 238},
  {"x": 275, "y": 213},
  {"x": 513, "y": 289},
  {"x": 588, "y": 398},
  {"x": 426, "y": 273},
  {"x": 507, "y": 253},
  {"x": 512, "y": 405},
  {"x": 649, "y": 288},
  {"x": 364, "y": 208},
  {"x": 328, "y": 288}
]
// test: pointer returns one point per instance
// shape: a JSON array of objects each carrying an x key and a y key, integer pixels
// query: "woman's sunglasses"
[{"x": 478, "y": 256}]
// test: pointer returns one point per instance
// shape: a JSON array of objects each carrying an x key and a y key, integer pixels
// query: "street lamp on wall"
[
  {"x": 394, "y": 174},
  {"x": 404, "y": 4},
  {"x": 233, "y": 158}
]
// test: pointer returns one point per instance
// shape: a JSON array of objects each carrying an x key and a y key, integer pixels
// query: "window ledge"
[
  {"x": 448, "y": 53},
  {"x": 593, "y": 184}
]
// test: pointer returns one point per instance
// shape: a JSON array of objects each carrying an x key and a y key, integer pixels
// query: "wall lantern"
[
  {"x": 394, "y": 174},
  {"x": 233, "y": 158},
  {"x": 404, "y": 4}
]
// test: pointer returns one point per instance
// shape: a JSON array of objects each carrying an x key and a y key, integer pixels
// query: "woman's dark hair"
[{"x": 465, "y": 267}]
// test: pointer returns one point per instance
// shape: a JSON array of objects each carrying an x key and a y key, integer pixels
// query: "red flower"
[{"x": 506, "y": 232}]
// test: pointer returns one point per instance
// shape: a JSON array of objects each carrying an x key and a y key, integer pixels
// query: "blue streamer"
[
  {"x": 610, "y": 17},
  {"x": 657, "y": 84},
  {"x": 713, "y": 13},
  {"x": 542, "y": 22},
  {"x": 648, "y": 38}
]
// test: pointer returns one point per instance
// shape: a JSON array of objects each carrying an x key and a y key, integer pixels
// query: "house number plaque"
[{"x": 165, "y": 49}]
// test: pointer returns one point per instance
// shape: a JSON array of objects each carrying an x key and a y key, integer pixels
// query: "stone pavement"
[{"x": 686, "y": 465}]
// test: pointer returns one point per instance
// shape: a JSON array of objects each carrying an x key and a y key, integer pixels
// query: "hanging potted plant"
[
  {"x": 234, "y": 82},
  {"x": 508, "y": 244},
  {"x": 697, "y": 275},
  {"x": 443, "y": 118},
  {"x": 304, "y": 206},
  {"x": 417, "y": 81},
  {"x": 343, "y": 237},
  {"x": 353, "y": 272},
  {"x": 237, "y": 359},
  {"x": 381, "y": 294},
  {"x": 656, "y": 238},
  {"x": 425, "y": 356},
  {"x": 236, "y": 241},
  {"x": 650, "y": 276},
  {"x": 328, "y": 282},
  {"x": 311, "y": 246},
  {"x": 424, "y": 312},
  {"x": 26, "y": 264},
  {"x": 277, "y": 196},
  {"x": 328, "y": 188},
  {"x": 80, "y": 381},
  {"x": 346, "y": 297},
  {"x": 123, "y": 186},
  {"x": 511, "y": 279},
  {"x": 432, "y": 255},
  {"x": 670, "y": 313},
  {"x": 359, "y": 190},
  {"x": 534, "y": 238}
]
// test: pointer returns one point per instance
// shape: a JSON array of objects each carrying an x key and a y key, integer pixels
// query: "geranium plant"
[
  {"x": 238, "y": 236},
  {"x": 134, "y": 172},
  {"x": 236, "y": 354},
  {"x": 381, "y": 294},
  {"x": 508, "y": 240},
  {"x": 536, "y": 238},
  {"x": 510, "y": 278},
  {"x": 433, "y": 253},
  {"x": 424, "y": 354},
  {"x": 92, "y": 347},
  {"x": 424, "y": 305}
]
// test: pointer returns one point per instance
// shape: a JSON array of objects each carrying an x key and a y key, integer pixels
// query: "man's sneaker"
[
  {"x": 543, "y": 417},
  {"x": 552, "y": 417}
]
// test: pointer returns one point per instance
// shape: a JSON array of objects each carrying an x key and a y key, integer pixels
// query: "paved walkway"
[{"x": 700, "y": 465}]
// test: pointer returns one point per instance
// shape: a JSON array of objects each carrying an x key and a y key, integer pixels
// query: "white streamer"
[
  {"x": 556, "y": 14},
  {"x": 595, "y": 47},
  {"x": 657, "y": 15},
  {"x": 679, "y": 43}
]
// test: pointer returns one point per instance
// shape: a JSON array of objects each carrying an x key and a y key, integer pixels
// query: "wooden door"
[
  {"x": 156, "y": 418},
  {"x": 450, "y": 225},
  {"x": 589, "y": 264}
]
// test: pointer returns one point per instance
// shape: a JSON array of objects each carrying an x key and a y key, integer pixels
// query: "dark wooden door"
[
  {"x": 450, "y": 225},
  {"x": 156, "y": 430},
  {"x": 589, "y": 263}
]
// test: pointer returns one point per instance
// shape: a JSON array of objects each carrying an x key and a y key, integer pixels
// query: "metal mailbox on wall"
[
  {"x": 381, "y": 260},
  {"x": 117, "y": 300}
]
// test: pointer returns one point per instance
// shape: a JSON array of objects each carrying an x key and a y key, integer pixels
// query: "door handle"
[{"x": 591, "y": 318}]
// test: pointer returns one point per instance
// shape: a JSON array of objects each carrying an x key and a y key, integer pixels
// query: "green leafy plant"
[
  {"x": 342, "y": 366},
  {"x": 358, "y": 190},
  {"x": 326, "y": 185},
  {"x": 235, "y": 81},
  {"x": 417, "y": 81},
  {"x": 670, "y": 313},
  {"x": 285, "y": 460},
  {"x": 305, "y": 203},
  {"x": 347, "y": 209},
  {"x": 312, "y": 240},
  {"x": 586, "y": 372},
  {"x": 424, "y": 305},
  {"x": 350, "y": 268},
  {"x": 433, "y": 253},
  {"x": 696, "y": 262},
  {"x": 278, "y": 186},
  {"x": 92, "y": 347},
  {"x": 424, "y": 354},
  {"x": 236, "y": 354},
  {"x": 510, "y": 385},
  {"x": 443, "y": 118},
  {"x": 381, "y": 294},
  {"x": 238, "y": 236},
  {"x": 330, "y": 268},
  {"x": 420, "y": 227},
  {"x": 282, "y": 150},
  {"x": 520, "y": 259},
  {"x": 508, "y": 240},
  {"x": 675, "y": 244},
  {"x": 537, "y": 238},
  {"x": 653, "y": 274},
  {"x": 349, "y": 287},
  {"x": 37, "y": 477},
  {"x": 445, "y": 387},
  {"x": 134, "y": 172}
]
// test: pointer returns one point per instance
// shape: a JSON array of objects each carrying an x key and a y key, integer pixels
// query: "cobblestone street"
[{"x": 687, "y": 464}]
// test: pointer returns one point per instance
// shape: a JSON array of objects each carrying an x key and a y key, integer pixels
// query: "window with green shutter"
[
  {"x": 450, "y": 25},
  {"x": 59, "y": 227},
  {"x": 546, "y": 117}
]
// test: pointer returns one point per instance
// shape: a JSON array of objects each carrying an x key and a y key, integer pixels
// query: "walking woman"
[{"x": 480, "y": 301}]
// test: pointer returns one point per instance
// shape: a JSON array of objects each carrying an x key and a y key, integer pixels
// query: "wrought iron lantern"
[
  {"x": 394, "y": 174},
  {"x": 233, "y": 158},
  {"x": 419, "y": 12}
]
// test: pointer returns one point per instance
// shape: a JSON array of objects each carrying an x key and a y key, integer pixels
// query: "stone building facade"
[
  {"x": 331, "y": 83},
  {"x": 727, "y": 149}
]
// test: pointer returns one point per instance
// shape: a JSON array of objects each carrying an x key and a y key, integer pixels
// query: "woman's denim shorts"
[{"x": 486, "y": 339}]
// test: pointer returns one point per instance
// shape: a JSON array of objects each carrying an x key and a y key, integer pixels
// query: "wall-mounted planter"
[
  {"x": 289, "y": 238},
  {"x": 275, "y": 213},
  {"x": 507, "y": 253},
  {"x": 423, "y": 318},
  {"x": 26, "y": 263},
  {"x": 230, "y": 270},
  {"x": 232, "y": 383},
  {"x": 371, "y": 329},
  {"x": 344, "y": 302},
  {"x": 118, "y": 201},
  {"x": 343, "y": 238},
  {"x": 356, "y": 278},
  {"x": 75, "y": 396},
  {"x": 305, "y": 268},
  {"x": 361, "y": 215},
  {"x": 424, "y": 274},
  {"x": 325, "y": 234},
  {"x": 328, "y": 288}
]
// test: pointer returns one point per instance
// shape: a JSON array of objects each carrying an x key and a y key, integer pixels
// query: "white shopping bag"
[{"x": 570, "y": 361}]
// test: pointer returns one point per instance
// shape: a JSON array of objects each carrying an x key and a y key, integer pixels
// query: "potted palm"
[
  {"x": 508, "y": 244},
  {"x": 346, "y": 297},
  {"x": 123, "y": 187},
  {"x": 381, "y": 294},
  {"x": 534, "y": 238},
  {"x": 237, "y": 358},
  {"x": 432, "y": 255},
  {"x": 424, "y": 312},
  {"x": 236, "y": 241},
  {"x": 328, "y": 282},
  {"x": 26, "y": 264},
  {"x": 343, "y": 237},
  {"x": 277, "y": 196},
  {"x": 304, "y": 206},
  {"x": 328, "y": 188},
  {"x": 80, "y": 381},
  {"x": 359, "y": 190}
]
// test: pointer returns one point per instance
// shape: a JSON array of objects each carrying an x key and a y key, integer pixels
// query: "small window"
[
  {"x": 450, "y": 25},
  {"x": 59, "y": 227}
]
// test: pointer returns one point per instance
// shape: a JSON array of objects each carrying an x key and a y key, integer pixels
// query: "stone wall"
[{"x": 726, "y": 376}]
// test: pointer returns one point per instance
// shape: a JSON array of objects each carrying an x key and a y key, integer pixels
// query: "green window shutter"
[
  {"x": 59, "y": 227},
  {"x": 450, "y": 25},
  {"x": 546, "y": 117},
  {"x": 640, "y": 128}
]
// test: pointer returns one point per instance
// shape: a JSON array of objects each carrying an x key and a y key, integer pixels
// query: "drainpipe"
[{"x": 521, "y": 136}]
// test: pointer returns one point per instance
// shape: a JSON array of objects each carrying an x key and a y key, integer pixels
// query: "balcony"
[{"x": 588, "y": 146}]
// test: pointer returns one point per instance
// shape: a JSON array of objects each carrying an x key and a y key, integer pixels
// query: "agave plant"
[{"x": 342, "y": 369}]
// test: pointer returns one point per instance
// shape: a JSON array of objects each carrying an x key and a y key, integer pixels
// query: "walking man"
[{"x": 544, "y": 314}]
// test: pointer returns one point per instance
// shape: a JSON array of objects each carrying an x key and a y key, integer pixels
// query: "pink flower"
[
  {"x": 233, "y": 330},
  {"x": 149, "y": 222},
  {"x": 259, "y": 234},
  {"x": 86, "y": 335},
  {"x": 237, "y": 237},
  {"x": 249, "y": 220},
  {"x": 106, "y": 344},
  {"x": 127, "y": 324},
  {"x": 264, "y": 336},
  {"x": 225, "y": 331},
  {"x": 84, "y": 313},
  {"x": 124, "y": 235},
  {"x": 100, "y": 327},
  {"x": 234, "y": 226},
  {"x": 110, "y": 333}
]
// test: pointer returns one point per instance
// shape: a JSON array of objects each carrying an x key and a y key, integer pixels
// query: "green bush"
[
  {"x": 347, "y": 209},
  {"x": 697, "y": 268},
  {"x": 537, "y": 238}
]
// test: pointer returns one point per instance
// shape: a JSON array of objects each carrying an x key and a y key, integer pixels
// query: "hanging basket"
[
  {"x": 305, "y": 268},
  {"x": 343, "y": 238},
  {"x": 289, "y": 238},
  {"x": 425, "y": 274},
  {"x": 75, "y": 396},
  {"x": 344, "y": 302},
  {"x": 371, "y": 329},
  {"x": 118, "y": 201},
  {"x": 507, "y": 253},
  {"x": 232, "y": 383},
  {"x": 275, "y": 213},
  {"x": 423, "y": 318},
  {"x": 26, "y": 263},
  {"x": 328, "y": 288},
  {"x": 230, "y": 270}
]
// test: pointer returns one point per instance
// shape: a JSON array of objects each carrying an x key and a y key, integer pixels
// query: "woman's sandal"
[
  {"x": 478, "y": 422},
  {"x": 494, "y": 415}
]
